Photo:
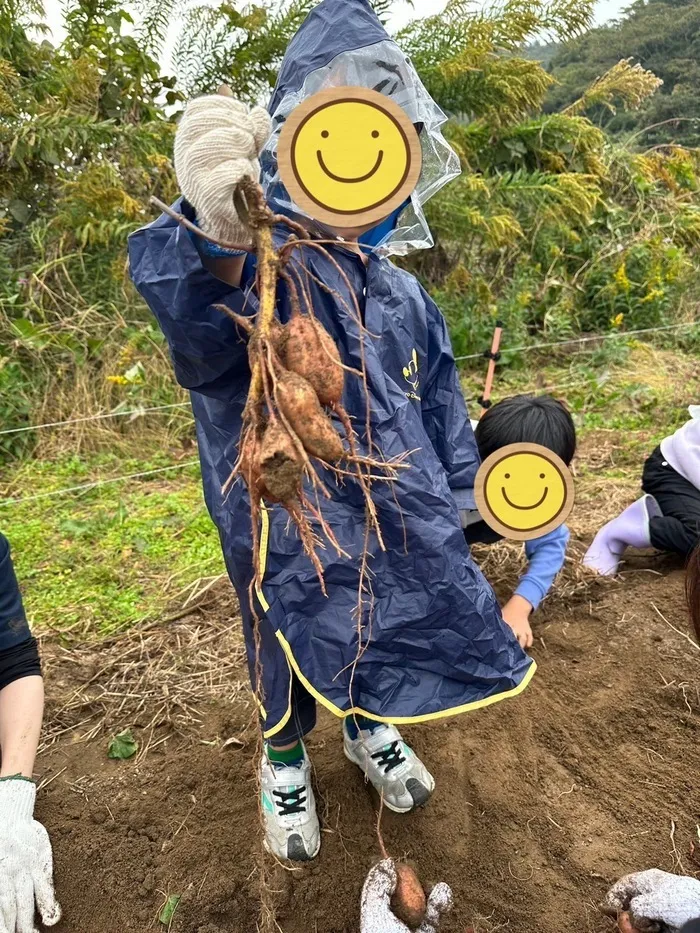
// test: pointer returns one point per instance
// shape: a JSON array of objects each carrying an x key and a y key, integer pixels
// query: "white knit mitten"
[
  {"x": 26, "y": 861},
  {"x": 656, "y": 899},
  {"x": 217, "y": 143},
  {"x": 375, "y": 910}
]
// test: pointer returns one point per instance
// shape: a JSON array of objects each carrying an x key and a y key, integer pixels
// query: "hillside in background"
[{"x": 664, "y": 37}]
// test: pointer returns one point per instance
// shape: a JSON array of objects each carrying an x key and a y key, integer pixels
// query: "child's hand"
[
  {"x": 653, "y": 900},
  {"x": 217, "y": 143},
  {"x": 375, "y": 913},
  {"x": 516, "y": 613}
]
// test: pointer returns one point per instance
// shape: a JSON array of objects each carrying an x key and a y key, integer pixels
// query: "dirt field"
[{"x": 541, "y": 801}]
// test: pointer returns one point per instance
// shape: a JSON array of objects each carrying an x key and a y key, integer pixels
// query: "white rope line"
[
  {"x": 99, "y": 482},
  {"x": 561, "y": 343},
  {"x": 469, "y": 356},
  {"x": 109, "y": 414}
]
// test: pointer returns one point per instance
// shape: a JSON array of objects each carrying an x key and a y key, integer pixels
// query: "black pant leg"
[
  {"x": 670, "y": 534},
  {"x": 303, "y": 718},
  {"x": 678, "y": 529}
]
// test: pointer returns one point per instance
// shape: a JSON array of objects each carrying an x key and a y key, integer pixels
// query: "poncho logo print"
[{"x": 410, "y": 374}]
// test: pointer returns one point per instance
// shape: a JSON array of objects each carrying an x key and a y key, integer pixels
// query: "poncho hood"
[{"x": 343, "y": 42}]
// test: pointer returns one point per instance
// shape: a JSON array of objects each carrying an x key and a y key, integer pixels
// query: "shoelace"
[
  {"x": 290, "y": 802},
  {"x": 389, "y": 757}
]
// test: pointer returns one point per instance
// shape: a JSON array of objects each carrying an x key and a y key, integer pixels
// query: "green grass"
[
  {"x": 635, "y": 389},
  {"x": 110, "y": 556}
]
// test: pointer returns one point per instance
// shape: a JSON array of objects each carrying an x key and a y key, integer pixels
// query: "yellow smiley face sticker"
[
  {"x": 524, "y": 491},
  {"x": 349, "y": 156}
]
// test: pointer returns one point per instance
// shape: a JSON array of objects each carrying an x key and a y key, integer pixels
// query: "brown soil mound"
[{"x": 541, "y": 802}]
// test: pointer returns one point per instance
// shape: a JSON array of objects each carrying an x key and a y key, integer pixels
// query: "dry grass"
[
  {"x": 503, "y": 564},
  {"x": 154, "y": 677}
]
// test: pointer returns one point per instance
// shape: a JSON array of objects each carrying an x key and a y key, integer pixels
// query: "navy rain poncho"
[{"x": 435, "y": 643}]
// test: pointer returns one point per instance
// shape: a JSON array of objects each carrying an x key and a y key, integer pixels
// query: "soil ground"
[{"x": 541, "y": 802}]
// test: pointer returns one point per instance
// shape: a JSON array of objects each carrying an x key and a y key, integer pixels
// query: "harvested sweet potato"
[
  {"x": 312, "y": 354},
  {"x": 278, "y": 465},
  {"x": 408, "y": 900},
  {"x": 299, "y": 404}
]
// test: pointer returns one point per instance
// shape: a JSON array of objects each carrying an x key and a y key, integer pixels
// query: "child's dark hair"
[
  {"x": 531, "y": 419},
  {"x": 692, "y": 588}
]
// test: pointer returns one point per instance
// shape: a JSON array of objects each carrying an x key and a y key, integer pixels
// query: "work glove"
[
  {"x": 217, "y": 143},
  {"x": 375, "y": 912},
  {"x": 655, "y": 901},
  {"x": 26, "y": 861}
]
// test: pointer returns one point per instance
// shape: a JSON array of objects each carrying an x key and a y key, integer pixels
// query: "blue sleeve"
[
  {"x": 13, "y": 621},
  {"x": 205, "y": 344},
  {"x": 445, "y": 413},
  {"x": 545, "y": 559}
]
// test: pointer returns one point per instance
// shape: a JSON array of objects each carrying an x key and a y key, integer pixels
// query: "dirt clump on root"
[{"x": 541, "y": 802}]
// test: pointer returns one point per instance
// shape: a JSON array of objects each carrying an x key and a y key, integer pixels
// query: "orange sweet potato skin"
[
  {"x": 408, "y": 901},
  {"x": 311, "y": 353},
  {"x": 300, "y": 406}
]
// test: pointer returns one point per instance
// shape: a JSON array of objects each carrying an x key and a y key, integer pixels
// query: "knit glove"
[
  {"x": 26, "y": 861},
  {"x": 375, "y": 912},
  {"x": 217, "y": 143},
  {"x": 657, "y": 902}
]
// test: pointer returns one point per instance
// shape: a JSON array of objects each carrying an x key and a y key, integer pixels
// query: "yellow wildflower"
[{"x": 621, "y": 279}]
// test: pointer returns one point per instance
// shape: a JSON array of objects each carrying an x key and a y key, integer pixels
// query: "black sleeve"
[
  {"x": 19, "y": 661},
  {"x": 13, "y": 621},
  {"x": 481, "y": 533}
]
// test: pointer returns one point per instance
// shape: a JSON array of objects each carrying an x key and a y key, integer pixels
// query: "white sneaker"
[
  {"x": 289, "y": 810},
  {"x": 393, "y": 768}
]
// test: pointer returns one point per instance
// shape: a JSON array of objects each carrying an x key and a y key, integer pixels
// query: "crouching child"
[{"x": 528, "y": 419}]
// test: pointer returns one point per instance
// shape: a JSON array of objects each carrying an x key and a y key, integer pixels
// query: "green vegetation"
[
  {"x": 552, "y": 227},
  {"x": 555, "y": 227},
  {"x": 107, "y": 557},
  {"x": 661, "y": 35},
  {"x": 123, "y": 745}
]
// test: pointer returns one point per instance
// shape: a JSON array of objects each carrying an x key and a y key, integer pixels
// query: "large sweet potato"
[
  {"x": 312, "y": 354},
  {"x": 299, "y": 404},
  {"x": 408, "y": 901}
]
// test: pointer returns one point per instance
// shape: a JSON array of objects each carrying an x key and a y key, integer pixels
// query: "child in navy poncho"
[{"x": 436, "y": 644}]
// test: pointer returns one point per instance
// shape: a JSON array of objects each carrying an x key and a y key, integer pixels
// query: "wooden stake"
[{"x": 493, "y": 358}]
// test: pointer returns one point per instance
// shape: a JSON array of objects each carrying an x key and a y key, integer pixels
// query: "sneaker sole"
[{"x": 414, "y": 806}]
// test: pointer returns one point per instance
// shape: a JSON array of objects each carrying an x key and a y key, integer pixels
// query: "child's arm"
[
  {"x": 26, "y": 869},
  {"x": 172, "y": 277},
  {"x": 445, "y": 412},
  {"x": 217, "y": 143},
  {"x": 545, "y": 559}
]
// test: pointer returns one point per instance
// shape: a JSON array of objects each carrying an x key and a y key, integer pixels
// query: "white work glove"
[
  {"x": 375, "y": 912},
  {"x": 26, "y": 861},
  {"x": 217, "y": 143},
  {"x": 656, "y": 901}
]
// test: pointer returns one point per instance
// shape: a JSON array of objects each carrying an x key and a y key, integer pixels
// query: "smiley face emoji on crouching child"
[
  {"x": 524, "y": 491},
  {"x": 349, "y": 156}
]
